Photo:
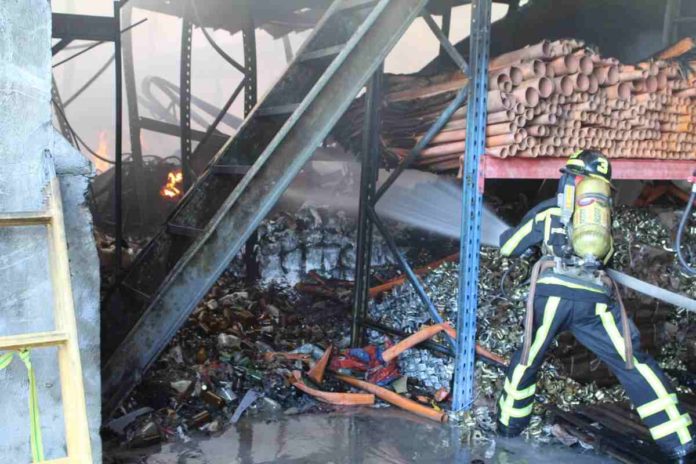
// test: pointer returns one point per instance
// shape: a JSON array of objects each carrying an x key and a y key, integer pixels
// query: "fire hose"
[{"x": 682, "y": 227}]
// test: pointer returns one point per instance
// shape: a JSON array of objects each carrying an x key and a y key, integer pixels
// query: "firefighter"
[{"x": 569, "y": 291}]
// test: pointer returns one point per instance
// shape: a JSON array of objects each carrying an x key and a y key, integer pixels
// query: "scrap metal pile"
[
  {"x": 245, "y": 338},
  {"x": 312, "y": 240},
  {"x": 284, "y": 350},
  {"x": 547, "y": 99}
]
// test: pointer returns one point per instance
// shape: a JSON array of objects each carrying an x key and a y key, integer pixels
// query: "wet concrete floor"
[{"x": 366, "y": 436}]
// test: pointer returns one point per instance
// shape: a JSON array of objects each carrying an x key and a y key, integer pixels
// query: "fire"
[
  {"x": 103, "y": 151},
  {"x": 172, "y": 189}
]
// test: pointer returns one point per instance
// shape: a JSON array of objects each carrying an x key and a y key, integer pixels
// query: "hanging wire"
[
  {"x": 90, "y": 81},
  {"x": 215, "y": 45}
]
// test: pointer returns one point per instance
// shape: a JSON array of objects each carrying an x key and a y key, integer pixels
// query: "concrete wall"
[{"x": 25, "y": 289}]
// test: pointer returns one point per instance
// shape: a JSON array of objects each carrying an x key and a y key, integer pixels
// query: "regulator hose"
[{"x": 682, "y": 227}]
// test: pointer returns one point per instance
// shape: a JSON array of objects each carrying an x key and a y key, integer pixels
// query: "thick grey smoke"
[{"x": 418, "y": 199}]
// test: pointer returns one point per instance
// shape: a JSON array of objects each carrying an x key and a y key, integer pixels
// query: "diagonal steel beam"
[{"x": 255, "y": 195}]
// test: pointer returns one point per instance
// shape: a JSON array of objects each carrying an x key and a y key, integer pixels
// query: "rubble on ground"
[{"x": 227, "y": 348}]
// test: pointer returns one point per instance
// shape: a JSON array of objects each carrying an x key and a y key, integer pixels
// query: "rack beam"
[{"x": 622, "y": 168}]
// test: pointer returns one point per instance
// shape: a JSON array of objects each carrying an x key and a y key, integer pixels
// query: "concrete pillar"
[{"x": 25, "y": 289}]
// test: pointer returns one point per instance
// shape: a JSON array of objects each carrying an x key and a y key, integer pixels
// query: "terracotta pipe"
[
  {"x": 501, "y": 116},
  {"x": 538, "y": 131},
  {"x": 647, "y": 85},
  {"x": 651, "y": 68},
  {"x": 620, "y": 91},
  {"x": 501, "y": 82},
  {"x": 542, "y": 107},
  {"x": 580, "y": 82},
  {"x": 520, "y": 108},
  {"x": 499, "y": 129},
  {"x": 563, "y": 86},
  {"x": 594, "y": 85},
  {"x": 543, "y": 85},
  {"x": 498, "y": 101},
  {"x": 690, "y": 92},
  {"x": 631, "y": 75},
  {"x": 530, "y": 52},
  {"x": 502, "y": 151},
  {"x": 662, "y": 81},
  {"x": 532, "y": 69},
  {"x": 529, "y": 113},
  {"x": 505, "y": 139},
  {"x": 531, "y": 142},
  {"x": 523, "y": 145},
  {"x": 602, "y": 74},
  {"x": 563, "y": 65},
  {"x": 395, "y": 399},
  {"x": 528, "y": 96},
  {"x": 342, "y": 399},
  {"x": 545, "y": 119},
  {"x": 445, "y": 149},
  {"x": 520, "y": 121},
  {"x": 450, "y": 136},
  {"x": 515, "y": 74},
  {"x": 586, "y": 65}
]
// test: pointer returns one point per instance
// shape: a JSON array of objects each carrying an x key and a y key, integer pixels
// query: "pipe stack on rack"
[{"x": 547, "y": 99}]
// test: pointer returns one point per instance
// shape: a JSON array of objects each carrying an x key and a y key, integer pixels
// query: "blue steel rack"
[{"x": 463, "y": 348}]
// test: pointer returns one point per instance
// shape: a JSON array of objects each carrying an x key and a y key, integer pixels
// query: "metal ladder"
[
  {"x": 244, "y": 181},
  {"x": 674, "y": 18},
  {"x": 64, "y": 337}
]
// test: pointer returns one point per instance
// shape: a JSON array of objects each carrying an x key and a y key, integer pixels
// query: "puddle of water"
[{"x": 369, "y": 436}]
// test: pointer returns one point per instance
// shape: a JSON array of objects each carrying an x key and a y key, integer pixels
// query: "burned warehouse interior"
[{"x": 348, "y": 231}]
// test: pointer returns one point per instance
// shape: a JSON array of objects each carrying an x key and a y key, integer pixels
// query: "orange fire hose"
[
  {"x": 316, "y": 373},
  {"x": 341, "y": 399},
  {"x": 428, "y": 332},
  {"x": 395, "y": 399},
  {"x": 385, "y": 287}
]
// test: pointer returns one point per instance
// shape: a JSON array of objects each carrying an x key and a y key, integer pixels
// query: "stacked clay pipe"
[{"x": 547, "y": 100}]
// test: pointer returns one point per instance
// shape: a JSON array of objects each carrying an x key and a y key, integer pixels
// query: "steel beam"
[
  {"x": 174, "y": 130},
  {"x": 250, "y": 100},
  {"x": 470, "y": 240},
  {"x": 621, "y": 168},
  {"x": 185, "y": 102},
  {"x": 252, "y": 199},
  {"x": 370, "y": 157},
  {"x": 83, "y": 27},
  {"x": 115, "y": 25},
  {"x": 133, "y": 114}
]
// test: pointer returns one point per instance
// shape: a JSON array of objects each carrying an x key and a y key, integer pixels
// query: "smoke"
[{"x": 418, "y": 199}]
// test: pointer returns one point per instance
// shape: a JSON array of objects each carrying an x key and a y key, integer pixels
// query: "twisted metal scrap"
[{"x": 502, "y": 292}]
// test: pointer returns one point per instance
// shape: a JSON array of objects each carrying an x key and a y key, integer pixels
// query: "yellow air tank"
[{"x": 591, "y": 237}]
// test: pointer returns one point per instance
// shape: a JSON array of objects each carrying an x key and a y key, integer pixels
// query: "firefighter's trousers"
[{"x": 597, "y": 326}]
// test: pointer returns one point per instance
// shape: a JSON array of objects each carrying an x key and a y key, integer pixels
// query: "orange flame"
[
  {"x": 103, "y": 151},
  {"x": 172, "y": 189}
]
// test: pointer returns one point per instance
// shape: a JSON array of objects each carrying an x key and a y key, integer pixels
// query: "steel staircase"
[{"x": 244, "y": 181}]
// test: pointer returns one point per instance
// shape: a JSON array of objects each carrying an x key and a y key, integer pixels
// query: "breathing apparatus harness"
[
  {"x": 584, "y": 197},
  {"x": 682, "y": 227}
]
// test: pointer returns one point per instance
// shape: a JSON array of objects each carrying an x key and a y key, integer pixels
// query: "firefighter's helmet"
[{"x": 589, "y": 163}]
